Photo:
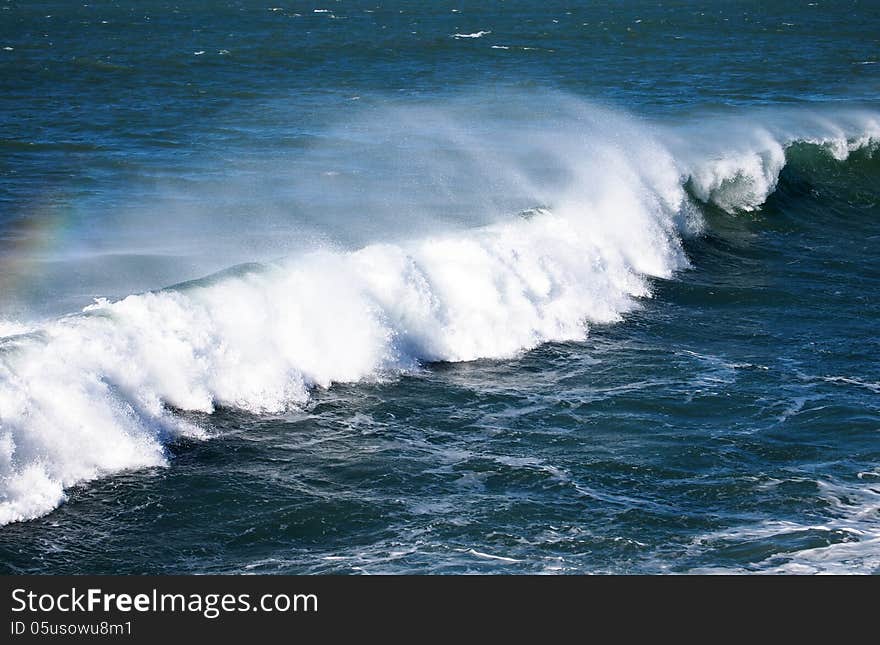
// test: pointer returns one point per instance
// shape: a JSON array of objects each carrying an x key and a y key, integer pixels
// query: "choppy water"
[{"x": 379, "y": 288}]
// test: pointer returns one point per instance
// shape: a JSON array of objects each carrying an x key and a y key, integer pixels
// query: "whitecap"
[{"x": 476, "y": 34}]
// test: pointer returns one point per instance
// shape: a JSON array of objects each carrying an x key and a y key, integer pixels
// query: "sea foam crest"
[
  {"x": 735, "y": 162},
  {"x": 93, "y": 393},
  {"x": 98, "y": 392},
  {"x": 90, "y": 394}
]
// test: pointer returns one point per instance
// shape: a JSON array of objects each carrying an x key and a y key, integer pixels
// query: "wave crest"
[{"x": 96, "y": 392}]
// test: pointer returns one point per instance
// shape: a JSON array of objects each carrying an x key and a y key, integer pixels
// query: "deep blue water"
[{"x": 436, "y": 288}]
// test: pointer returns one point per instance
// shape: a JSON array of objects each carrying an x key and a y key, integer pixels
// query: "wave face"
[{"x": 605, "y": 201}]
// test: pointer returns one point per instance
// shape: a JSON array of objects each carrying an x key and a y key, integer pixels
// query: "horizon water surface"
[{"x": 390, "y": 288}]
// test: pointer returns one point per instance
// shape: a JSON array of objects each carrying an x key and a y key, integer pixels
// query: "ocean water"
[{"x": 389, "y": 287}]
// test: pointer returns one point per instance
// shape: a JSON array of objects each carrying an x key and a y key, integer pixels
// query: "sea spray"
[{"x": 97, "y": 392}]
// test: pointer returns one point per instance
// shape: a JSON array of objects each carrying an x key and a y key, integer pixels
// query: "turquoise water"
[{"x": 391, "y": 288}]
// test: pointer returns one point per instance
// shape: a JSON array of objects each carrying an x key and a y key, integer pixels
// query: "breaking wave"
[{"x": 600, "y": 204}]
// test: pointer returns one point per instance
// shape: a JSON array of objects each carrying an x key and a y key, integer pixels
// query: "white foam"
[
  {"x": 90, "y": 394},
  {"x": 476, "y": 34},
  {"x": 740, "y": 181},
  {"x": 855, "y": 513},
  {"x": 735, "y": 162},
  {"x": 94, "y": 393},
  {"x": 488, "y": 556},
  {"x": 851, "y": 380},
  {"x": 13, "y": 328}
]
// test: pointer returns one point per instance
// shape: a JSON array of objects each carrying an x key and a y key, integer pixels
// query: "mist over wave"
[{"x": 475, "y": 230}]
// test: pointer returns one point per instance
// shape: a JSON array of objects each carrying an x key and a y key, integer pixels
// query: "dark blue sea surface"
[{"x": 372, "y": 287}]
